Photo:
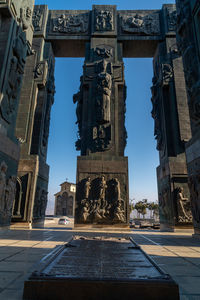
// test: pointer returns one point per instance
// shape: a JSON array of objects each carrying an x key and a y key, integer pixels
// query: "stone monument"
[{"x": 103, "y": 35}]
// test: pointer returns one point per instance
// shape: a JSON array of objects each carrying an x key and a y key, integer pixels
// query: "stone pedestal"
[{"x": 102, "y": 192}]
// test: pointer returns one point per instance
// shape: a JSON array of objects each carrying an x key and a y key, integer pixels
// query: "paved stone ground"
[{"x": 20, "y": 250}]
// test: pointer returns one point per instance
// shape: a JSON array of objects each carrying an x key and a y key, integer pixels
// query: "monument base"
[
  {"x": 100, "y": 268},
  {"x": 102, "y": 191}
]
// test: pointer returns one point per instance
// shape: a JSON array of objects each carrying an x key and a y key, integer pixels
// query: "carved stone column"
[
  {"x": 188, "y": 33},
  {"x": 32, "y": 128},
  {"x": 102, "y": 169},
  {"x": 172, "y": 128},
  {"x": 16, "y": 38}
]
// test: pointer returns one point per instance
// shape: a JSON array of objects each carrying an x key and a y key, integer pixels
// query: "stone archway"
[{"x": 103, "y": 36}]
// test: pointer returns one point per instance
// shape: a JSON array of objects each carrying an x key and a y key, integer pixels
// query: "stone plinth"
[{"x": 100, "y": 268}]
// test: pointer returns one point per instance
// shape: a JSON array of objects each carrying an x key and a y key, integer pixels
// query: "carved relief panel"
[
  {"x": 101, "y": 199},
  {"x": 142, "y": 23},
  {"x": 104, "y": 20},
  {"x": 70, "y": 23}
]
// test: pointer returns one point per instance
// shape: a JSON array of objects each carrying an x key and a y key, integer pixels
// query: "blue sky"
[{"x": 141, "y": 146}]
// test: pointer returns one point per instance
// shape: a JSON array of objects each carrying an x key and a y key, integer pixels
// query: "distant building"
[{"x": 65, "y": 199}]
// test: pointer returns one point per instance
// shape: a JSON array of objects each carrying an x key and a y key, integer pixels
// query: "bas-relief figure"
[
  {"x": 183, "y": 205},
  {"x": 7, "y": 191},
  {"x": 50, "y": 100},
  {"x": 156, "y": 114},
  {"x": 3, "y": 170},
  {"x": 165, "y": 206},
  {"x": 171, "y": 19},
  {"x": 40, "y": 203},
  {"x": 16, "y": 71},
  {"x": 78, "y": 98},
  {"x": 96, "y": 206},
  {"x": 26, "y": 14},
  {"x": 37, "y": 19},
  {"x": 103, "y": 93},
  {"x": 194, "y": 185},
  {"x": 70, "y": 24},
  {"x": 186, "y": 45},
  {"x": 138, "y": 23},
  {"x": 104, "y": 20}
]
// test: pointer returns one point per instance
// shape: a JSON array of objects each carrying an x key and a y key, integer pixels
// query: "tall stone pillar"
[
  {"x": 15, "y": 45},
  {"x": 188, "y": 33},
  {"x": 32, "y": 129},
  {"x": 102, "y": 169},
  {"x": 172, "y": 128}
]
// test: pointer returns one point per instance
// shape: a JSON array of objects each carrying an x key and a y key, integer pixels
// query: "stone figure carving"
[
  {"x": 67, "y": 23},
  {"x": 37, "y": 19},
  {"x": 167, "y": 73},
  {"x": 16, "y": 70},
  {"x": 85, "y": 210},
  {"x": 3, "y": 170},
  {"x": 101, "y": 138},
  {"x": 119, "y": 214},
  {"x": 171, "y": 19},
  {"x": 10, "y": 194},
  {"x": 95, "y": 206},
  {"x": 50, "y": 100},
  {"x": 102, "y": 188},
  {"x": 116, "y": 188},
  {"x": 184, "y": 208},
  {"x": 103, "y": 93},
  {"x": 78, "y": 98},
  {"x": 103, "y": 20},
  {"x": 141, "y": 24},
  {"x": 104, "y": 52},
  {"x": 87, "y": 188},
  {"x": 43, "y": 203},
  {"x": 26, "y": 14},
  {"x": 164, "y": 205},
  {"x": 194, "y": 185},
  {"x": 156, "y": 114}
]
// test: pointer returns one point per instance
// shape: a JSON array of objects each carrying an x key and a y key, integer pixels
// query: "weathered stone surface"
[
  {"x": 102, "y": 191},
  {"x": 109, "y": 268}
]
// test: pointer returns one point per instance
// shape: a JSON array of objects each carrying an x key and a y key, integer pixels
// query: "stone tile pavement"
[{"x": 20, "y": 250}]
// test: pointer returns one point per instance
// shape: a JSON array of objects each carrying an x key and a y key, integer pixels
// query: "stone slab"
[{"x": 100, "y": 268}]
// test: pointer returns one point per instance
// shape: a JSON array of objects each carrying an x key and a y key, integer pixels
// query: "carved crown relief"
[
  {"x": 69, "y": 23},
  {"x": 141, "y": 23},
  {"x": 104, "y": 20}
]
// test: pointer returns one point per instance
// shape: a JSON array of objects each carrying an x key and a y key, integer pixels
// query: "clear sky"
[{"x": 141, "y": 146}]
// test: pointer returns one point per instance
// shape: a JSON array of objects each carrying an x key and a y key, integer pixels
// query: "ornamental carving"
[
  {"x": 104, "y": 52},
  {"x": 7, "y": 191},
  {"x": 37, "y": 19},
  {"x": 14, "y": 79},
  {"x": 69, "y": 24},
  {"x": 26, "y": 14},
  {"x": 156, "y": 113},
  {"x": 194, "y": 185},
  {"x": 50, "y": 89},
  {"x": 183, "y": 204},
  {"x": 167, "y": 73},
  {"x": 99, "y": 201},
  {"x": 139, "y": 23},
  {"x": 171, "y": 19},
  {"x": 104, "y": 20},
  {"x": 103, "y": 93},
  {"x": 40, "y": 203}
]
